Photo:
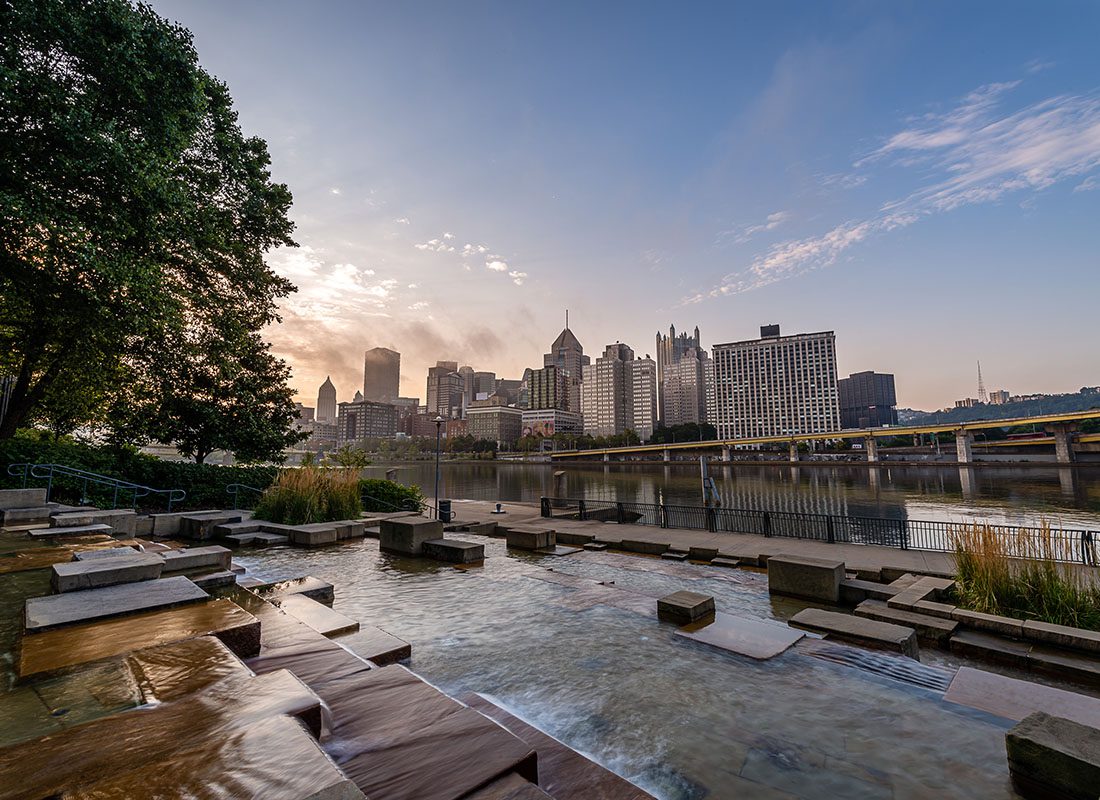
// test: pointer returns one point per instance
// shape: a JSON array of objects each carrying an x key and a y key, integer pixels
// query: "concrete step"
[
  {"x": 42, "y": 613},
  {"x": 454, "y": 551},
  {"x": 674, "y": 555},
  {"x": 94, "y": 573},
  {"x": 24, "y": 516},
  {"x": 595, "y": 545},
  {"x": 313, "y": 588},
  {"x": 854, "y": 591},
  {"x": 316, "y": 615},
  {"x": 22, "y": 498},
  {"x": 377, "y": 646},
  {"x": 930, "y": 629},
  {"x": 121, "y": 520},
  {"x": 991, "y": 647},
  {"x": 858, "y": 630},
  {"x": 106, "y": 552},
  {"x": 200, "y": 525},
  {"x": 196, "y": 558},
  {"x": 75, "y": 530},
  {"x": 214, "y": 580}
]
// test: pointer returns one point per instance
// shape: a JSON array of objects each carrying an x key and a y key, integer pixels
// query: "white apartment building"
[
  {"x": 776, "y": 385},
  {"x": 619, "y": 392}
]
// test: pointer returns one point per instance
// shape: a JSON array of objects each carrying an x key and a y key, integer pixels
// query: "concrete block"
[
  {"x": 595, "y": 546},
  {"x": 1062, "y": 636},
  {"x": 196, "y": 558},
  {"x": 990, "y": 623},
  {"x": 24, "y": 516},
  {"x": 41, "y": 613},
  {"x": 454, "y": 551},
  {"x": 931, "y": 629},
  {"x": 200, "y": 525},
  {"x": 131, "y": 567},
  {"x": 314, "y": 535},
  {"x": 22, "y": 498},
  {"x": 377, "y": 646},
  {"x": 106, "y": 552},
  {"x": 1052, "y": 757},
  {"x": 684, "y": 607},
  {"x": 166, "y": 525},
  {"x": 531, "y": 538},
  {"x": 577, "y": 539},
  {"x": 406, "y": 535},
  {"x": 934, "y": 609},
  {"x": 350, "y": 529},
  {"x": 855, "y": 590},
  {"x": 674, "y": 555},
  {"x": 808, "y": 578},
  {"x": 75, "y": 530},
  {"x": 866, "y": 632},
  {"x": 313, "y": 588},
  {"x": 722, "y": 561},
  {"x": 215, "y": 580},
  {"x": 121, "y": 520},
  {"x": 316, "y": 615},
  {"x": 233, "y": 528},
  {"x": 702, "y": 553},
  {"x": 143, "y": 526},
  {"x": 976, "y": 644},
  {"x": 1064, "y": 664},
  {"x": 648, "y": 548}
]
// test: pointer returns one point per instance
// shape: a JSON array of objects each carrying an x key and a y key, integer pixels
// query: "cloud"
[
  {"x": 497, "y": 265},
  {"x": 335, "y": 190},
  {"x": 1038, "y": 65},
  {"x": 772, "y": 222},
  {"x": 435, "y": 245},
  {"x": 402, "y": 220},
  {"x": 419, "y": 305},
  {"x": 448, "y": 236},
  {"x": 1088, "y": 184},
  {"x": 969, "y": 155},
  {"x": 473, "y": 250},
  {"x": 517, "y": 277}
]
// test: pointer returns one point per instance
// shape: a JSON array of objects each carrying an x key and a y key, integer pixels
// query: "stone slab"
[
  {"x": 177, "y": 669},
  {"x": 512, "y": 786},
  {"x": 730, "y": 563},
  {"x": 234, "y": 528},
  {"x": 575, "y": 539},
  {"x": 214, "y": 580},
  {"x": 24, "y": 516},
  {"x": 311, "y": 587},
  {"x": 933, "y": 609},
  {"x": 743, "y": 636},
  {"x": 808, "y": 578},
  {"x": 683, "y": 607},
  {"x": 991, "y": 623},
  {"x": 200, "y": 525},
  {"x": 42, "y": 613},
  {"x": 94, "y": 573},
  {"x": 595, "y": 546},
  {"x": 313, "y": 535},
  {"x": 350, "y": 529},
  {"x": 1054, "y": 757},
  {"x": 316, "y": 615},
  {"x": 121, "y": 520},
  {"x": 1062, "y": 636},
  {"x": 377, "y": 646},
  {"x": 928, "y": 628},
  {"x": 197, "y": 558},
  {"x": 558, "y": 550},
  {"x": 858, "y": 630},
  {"x": 1015, "y": 699},
  {"x": 70, "y": 531},
  {"x": 702, "y": 553},
  {"x": 991, "y": 647},
  {"x": 454, "y": 551},
  {"x": 1079, "y": 667},
  {"x": 79, "y": 644},
  {"x": 406, "y": 535},
  {"x": 530, "y": 538},
  {"x": 641, "y": 546},
  {"x": 22, "y": 498},
  {"x": 854, "y": 591},
  {"x": 106, "y": 552},
  {"x": 674, "y": 555}
]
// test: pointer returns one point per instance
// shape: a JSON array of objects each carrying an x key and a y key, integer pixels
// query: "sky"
[{"x": 922, "y": 178}]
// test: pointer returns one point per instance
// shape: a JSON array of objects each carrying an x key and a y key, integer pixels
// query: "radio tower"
[{"x": 982, "y": 396}]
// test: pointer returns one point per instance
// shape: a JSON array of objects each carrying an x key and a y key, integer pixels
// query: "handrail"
[
  {"x": 234, "y": 489},
  {"x": 47, "y": 472},
  {"x": 409, "y": 504}
]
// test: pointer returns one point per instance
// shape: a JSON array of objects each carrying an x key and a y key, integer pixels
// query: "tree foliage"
[{"x": 134, "y": 218}]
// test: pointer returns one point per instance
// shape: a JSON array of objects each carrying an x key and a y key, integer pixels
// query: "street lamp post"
[{"x": 438, "y": 435}]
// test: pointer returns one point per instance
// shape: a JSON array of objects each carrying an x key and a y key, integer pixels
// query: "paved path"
[{"x": 729, "y": 545}]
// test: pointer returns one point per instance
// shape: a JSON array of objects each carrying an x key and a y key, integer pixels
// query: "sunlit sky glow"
[{"x": 923, "y": 178}]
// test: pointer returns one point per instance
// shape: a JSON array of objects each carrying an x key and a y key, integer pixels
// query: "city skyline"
[{"x": 850, "y": 168}]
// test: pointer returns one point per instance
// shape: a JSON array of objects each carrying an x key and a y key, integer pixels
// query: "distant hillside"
[{"x": 1084, "y": 400}]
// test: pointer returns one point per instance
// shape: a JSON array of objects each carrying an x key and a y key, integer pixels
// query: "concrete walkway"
[{"x": 869, "y": 558}]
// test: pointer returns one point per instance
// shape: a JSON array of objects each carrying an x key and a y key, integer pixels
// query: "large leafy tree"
[{"x": 134, "y": 219}]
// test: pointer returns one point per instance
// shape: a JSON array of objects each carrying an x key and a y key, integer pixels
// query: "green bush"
[
  {"x": 204, "y": 483},
  {"x": 382, "y": 495},
  {"x": 311, "y": 494}
]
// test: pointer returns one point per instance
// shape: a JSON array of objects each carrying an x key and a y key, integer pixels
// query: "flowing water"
[
  {"x": 680, "y": 718},
  {"x": 1068, "y": 497}
]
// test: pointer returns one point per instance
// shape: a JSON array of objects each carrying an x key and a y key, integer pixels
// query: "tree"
[
  {"x": 133, "y": 213},
  {"x": 348, "y": 456}
]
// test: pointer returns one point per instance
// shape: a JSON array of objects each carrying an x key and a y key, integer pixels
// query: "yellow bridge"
[{"x": 1060, "y": 427}]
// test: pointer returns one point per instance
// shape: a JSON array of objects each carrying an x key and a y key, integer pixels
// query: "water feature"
[
  {"x": 680, "y": 718},
  {"x": 1004, "y": 495}
]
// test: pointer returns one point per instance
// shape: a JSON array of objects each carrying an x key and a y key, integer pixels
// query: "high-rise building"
[
  {"x": 776, "y": 385},
  {"x": 381, "y": 375},
  {"x": 366, "y": 420},
  {"x": 619, "y": 392},
  {"x": 867, "y": 400},
  {"x": 326, "y": 402},
  {"x": 670, "y": 349},
  {"x": 500, "y": 424},
  {"x": 567, "y": 354},
  {"x": 642, "y": 400},
  {"x": 446, "y": 389},
  {"x": 548, "y": 387},
  {"x": 485, "y": 384},
  {"x": 998, "y": 397},
  {"x": 683, "y": 391},
  {"x": 468, "y": 387}
]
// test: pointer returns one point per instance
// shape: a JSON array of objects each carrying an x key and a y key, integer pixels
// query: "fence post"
[
  {"x": 620, "y": 513},
  {"x": 902, "y": 535},
  {"x": 829, "y": 527},
  {"x": 712, "y": 525},
  {"x": 767, "y": 524},
  {"x": 662, "y": 514},
  {"x": 582, "y": 512},
  {"x": 544, "y": 502}
]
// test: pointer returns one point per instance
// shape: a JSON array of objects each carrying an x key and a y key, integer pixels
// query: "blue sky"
[{"x": 922, "y": 178}]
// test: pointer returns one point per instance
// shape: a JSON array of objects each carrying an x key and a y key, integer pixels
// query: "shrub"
[
  {"x": 382, "y": 495},
  {"x": 1022, "y": 573},
  {"x": 311, "y": 494}
]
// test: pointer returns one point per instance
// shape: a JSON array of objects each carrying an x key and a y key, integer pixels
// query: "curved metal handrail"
[
  {"x": 48, "y": 472},
  {"x": 407, "y": 505},
  {"x": 234, "y": 489}
]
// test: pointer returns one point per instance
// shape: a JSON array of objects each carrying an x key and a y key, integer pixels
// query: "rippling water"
[
  {"x": 1013, "y": 496},
  {"x": 679, "y": 718}
]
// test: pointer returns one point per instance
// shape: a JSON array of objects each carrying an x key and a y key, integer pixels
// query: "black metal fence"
[{"x": 1061, "y": 544}]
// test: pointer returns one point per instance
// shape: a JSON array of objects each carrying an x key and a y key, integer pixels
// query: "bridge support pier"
[
  {"x": 1063, "y": 441},
  {"x": 606, "y": 457},
  {"x": 727, "y": 453},
  {"x": 964, "y": 444},
  {"x": 870, "y": 446},
  {"x": 792, "y": 451},
  {"x": 666, "y": 454}
]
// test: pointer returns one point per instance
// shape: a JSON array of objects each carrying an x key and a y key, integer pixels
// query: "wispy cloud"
[
  {"x": 402, "y": 220},
  {"x": 436, "y": 245},
  {"x": 742, "y": 235},
  {"x": 1037, "y": 65},
  {"x": 517, "y": 277},
  {"x": 973, "y": 154},
  {"x": 497, "y": 265}
]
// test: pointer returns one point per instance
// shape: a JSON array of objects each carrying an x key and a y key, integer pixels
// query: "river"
[{"x": 1064, "y": 497}]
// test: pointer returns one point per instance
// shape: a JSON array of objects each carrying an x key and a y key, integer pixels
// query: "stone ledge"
[
  {"x": 1062, "y": 636},
  {"x": 97, "y": 572},
  {"x": 808, "y": 578},
  {"x": 932, "y": 629},
  {"x": 454, "y": 551},
  {"x": 866, "y": 632},
  {"x": 684, "y": 607},
  {"x": 1050, "y": 756}
]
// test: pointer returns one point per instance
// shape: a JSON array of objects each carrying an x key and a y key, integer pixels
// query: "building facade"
[
  {"x": 683, "y": 392},
  {"x": 546, "y": 422},
  {"x": 619, "y": 393},
  {"x": 567, "y": 354},
  {"x": 670, "y": 349},
  {"x": 381, "y": 375},
  {"x": 366, "y": 420},
  {"x": 867, "y": 400},
  {"x": 500, "y": 424},
  {"x": 446, "y": 390},
  {"x": 326, "y": 402},
  {"x": 549, "y": 387},
  {"x": 776, "y": 385}
]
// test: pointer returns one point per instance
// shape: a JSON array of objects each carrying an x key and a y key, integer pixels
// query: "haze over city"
[{"x": 463, "y": 174}]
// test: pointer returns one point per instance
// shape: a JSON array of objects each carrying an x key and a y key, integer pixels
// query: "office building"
[
  {"x": 446, "y": 390},
  {"x": 485, "y": 384},
  {"x": 546, "y": 422},
  {"x": 467, "y": 373},
  {"x": 406, "y": 406},
  {"x": 326, "y": 402},
  {"x": 304, "y": 414},
  {"x": 642, "y": 400},
  {"x": 418, "y": 426},
  {"x": 776, "y": 385},
  {"x": 998, "y": 397},
  {"x": 500, "y": 424},
  {"x": 670, "y": 349},
  {"x": 366, "y": 420},
  {"x": 567, "y": 354},
  {"x": 683, "y": 391},
  {"x": 619, "y": 392},
  {"x": 867, "y": 400},
  {"x": 548, "y": 387},
  {"x": 511, "y": 390},
  {"x": 381, "y": 375}
]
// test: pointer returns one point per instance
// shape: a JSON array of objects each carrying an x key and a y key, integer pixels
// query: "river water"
[{"x": 1068, "y": 498}]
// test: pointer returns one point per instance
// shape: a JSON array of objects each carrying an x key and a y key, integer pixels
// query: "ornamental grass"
[
  {"x": 311, "y": 494},
  {"x": 1027, "y": 573}
]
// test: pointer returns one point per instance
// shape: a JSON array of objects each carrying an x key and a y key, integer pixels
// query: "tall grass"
[
  {"x": 311, "y": 494},
  {"x": 1022, "y": 573}
]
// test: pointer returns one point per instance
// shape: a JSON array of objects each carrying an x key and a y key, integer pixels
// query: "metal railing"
[
  {"x": 1061, "y": 544},
  {"x": 408, "y": 504},
  {"x": 234, "y": 490},
  {"x": 62, "y": 474}
]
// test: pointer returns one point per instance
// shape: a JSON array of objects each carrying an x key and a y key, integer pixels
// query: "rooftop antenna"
[
  {"x": 982, "y": 396},
  {"x": 567, "y": 319}
]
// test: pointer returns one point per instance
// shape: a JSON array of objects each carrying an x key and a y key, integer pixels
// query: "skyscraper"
[
  {"x": 326, "y": 402},
  {"x": 867, "y": 400},
  {"x": 567, "y": 354},
  {"x": 445, "y": 390},
  {"x": 381, "y": 375},
  {"x": 684, "y": 390},
  {"x": 619, "y": 392},
  {"x": 642, "y": 400},
  {"x": 776, "y": 385},
  {"x": 670, "y": 349},
  {"x": 548, "y": 388}
]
